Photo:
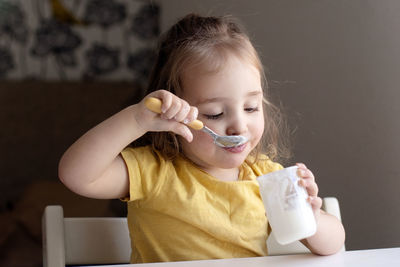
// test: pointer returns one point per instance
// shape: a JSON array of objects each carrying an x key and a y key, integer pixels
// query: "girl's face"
[{"x": 229, "y": 103}]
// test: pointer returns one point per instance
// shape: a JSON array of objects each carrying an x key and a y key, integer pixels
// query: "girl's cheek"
[
  {"x": 258, "y": 131},
  {"x": 257, "y": 139},
  {"x": 202, "y": 138}
]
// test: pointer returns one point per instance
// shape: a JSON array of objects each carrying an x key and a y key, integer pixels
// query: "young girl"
[{"x": 188, "y": 198}]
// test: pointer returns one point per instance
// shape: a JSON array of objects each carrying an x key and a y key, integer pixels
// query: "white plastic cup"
[{"x": 289, "y": 213}]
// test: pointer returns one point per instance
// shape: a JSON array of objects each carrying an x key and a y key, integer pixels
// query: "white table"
[{"x": 372, "y": 257}]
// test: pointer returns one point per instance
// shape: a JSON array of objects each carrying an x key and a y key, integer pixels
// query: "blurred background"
[{"x": 67, "y": 65}]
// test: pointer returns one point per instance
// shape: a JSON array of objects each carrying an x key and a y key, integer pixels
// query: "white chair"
[
  {"x": 106, "y": 240},
  {"x": 83, "y": 240},
  {"x": 330, "y": 205}
]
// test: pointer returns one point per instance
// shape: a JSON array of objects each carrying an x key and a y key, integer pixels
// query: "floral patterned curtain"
[{"x": 78, "y": 39}]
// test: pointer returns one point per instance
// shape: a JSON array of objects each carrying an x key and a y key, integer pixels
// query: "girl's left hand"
[{"x": 308, "y": 181}]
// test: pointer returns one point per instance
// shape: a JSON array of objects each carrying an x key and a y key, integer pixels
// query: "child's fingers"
[
  {"x": 182, "y": 112},
  {"x": 316, "y": 202},
  {"x": 192, "y": 115},
  {"x": 182, "y": 130},
  {"x": 301, "y": 165},
  {"x": 171, "y": 104},
  {"x": 175, "y": 113},
  {"x": 310, "y": 186},
  {"x": 303, "y": 172},
  {"x": 307, "y": 180},
  {"x": 173, "y": 109},
  {"x": 166, "y": 98}
]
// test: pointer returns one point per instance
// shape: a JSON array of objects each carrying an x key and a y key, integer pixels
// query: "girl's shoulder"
[{"x": 263, "y": 164}]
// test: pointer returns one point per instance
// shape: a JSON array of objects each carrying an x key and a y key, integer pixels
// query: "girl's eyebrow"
[
  {"x": 255, "y": 93},
  {"x": 210, "y": 100},
  {"x": 219, "y": 99}
]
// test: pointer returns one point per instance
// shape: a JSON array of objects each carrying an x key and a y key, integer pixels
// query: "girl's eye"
[
  {"x": 250, "y": 110},
  {"x": 213, "y": 116}
]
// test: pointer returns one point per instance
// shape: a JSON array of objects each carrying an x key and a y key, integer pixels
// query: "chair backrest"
[
  {"x": 83, "y": 240},
  {"x": 330, "y": 205}
]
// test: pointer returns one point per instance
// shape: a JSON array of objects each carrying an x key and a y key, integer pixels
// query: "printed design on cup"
[{"x": 289, "y": 193}]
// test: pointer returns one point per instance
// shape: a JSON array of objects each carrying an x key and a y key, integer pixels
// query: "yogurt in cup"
[{"x": 288, "y": 212}]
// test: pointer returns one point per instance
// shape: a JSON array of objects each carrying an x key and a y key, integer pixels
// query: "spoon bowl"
[{"x": 225, "y": 140}]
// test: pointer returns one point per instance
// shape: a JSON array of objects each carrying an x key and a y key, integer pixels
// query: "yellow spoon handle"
[{"x": 154, "y": 104}]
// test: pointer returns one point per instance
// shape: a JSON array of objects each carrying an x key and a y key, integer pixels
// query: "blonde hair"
[{"x": 207, "y": 42}]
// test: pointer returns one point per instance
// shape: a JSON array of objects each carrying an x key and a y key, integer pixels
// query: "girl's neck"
[{"x": 226, "y": 175}]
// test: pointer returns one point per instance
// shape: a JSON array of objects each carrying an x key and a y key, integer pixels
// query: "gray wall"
[{"x": 335, "y": 67}]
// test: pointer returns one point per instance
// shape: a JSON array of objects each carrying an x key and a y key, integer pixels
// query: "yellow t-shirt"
[{"x": 178, "y": 212}]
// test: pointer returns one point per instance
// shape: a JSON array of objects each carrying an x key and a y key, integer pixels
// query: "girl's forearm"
[
  {"x": 329, "y": 237},
  {"x": 91, "y": 154}
]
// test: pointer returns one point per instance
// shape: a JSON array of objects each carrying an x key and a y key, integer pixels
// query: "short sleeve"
[{"x": 145, "y": 169}]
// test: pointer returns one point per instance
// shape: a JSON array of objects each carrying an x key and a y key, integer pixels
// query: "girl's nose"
[{"x": 236, "y": 126}]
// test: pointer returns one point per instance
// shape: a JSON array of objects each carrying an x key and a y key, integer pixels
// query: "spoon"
[{"x": 154, "y": 104}]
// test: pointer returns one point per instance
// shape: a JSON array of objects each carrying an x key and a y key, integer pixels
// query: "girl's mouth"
[{"x": 236, "y": 149}]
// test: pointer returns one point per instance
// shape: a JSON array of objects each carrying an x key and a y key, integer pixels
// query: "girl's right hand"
[{"x": 175, "y": 113}]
